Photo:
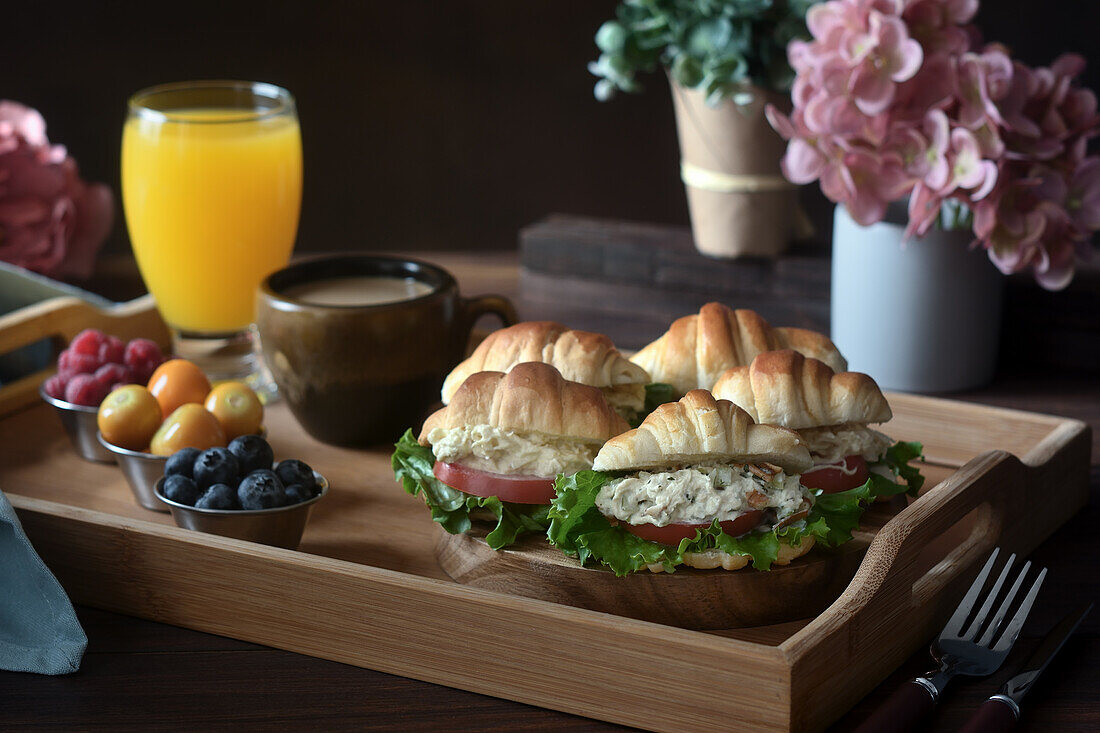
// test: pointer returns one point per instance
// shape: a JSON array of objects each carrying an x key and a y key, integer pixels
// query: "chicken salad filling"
[
  {"x": 486, "y": 448},
  {"x": 699, "y": 494}
]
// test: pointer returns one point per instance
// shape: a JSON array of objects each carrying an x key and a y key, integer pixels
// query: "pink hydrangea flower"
[
  {"x": 968, "y": 169},
  {"x": 881, "y": 57},
  {"x": 984, "y": 79},
  {"x": 51, "y": 221},
  {"x": 940, "y": 26},
  {"x": 1083, "y": 200},
  {"x": 896, "y": 98},
  {"x": 931, "y": 165}
]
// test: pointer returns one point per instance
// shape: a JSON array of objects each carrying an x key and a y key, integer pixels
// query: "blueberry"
[
  {"x": 180, "y": 489},
  {"x": 292, "y": 471},
  {"x": 253, "y": 453},
  {"x": 261, "y": 490},
  {"x": 296, "y": 493},
  {"x": 181, "y": 463},
  {"x": 216, "y": 466},
  {"x": 218, "y": 496}
]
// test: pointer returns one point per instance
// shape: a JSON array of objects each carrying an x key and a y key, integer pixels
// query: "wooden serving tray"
[{"x": 365, "y": 588}]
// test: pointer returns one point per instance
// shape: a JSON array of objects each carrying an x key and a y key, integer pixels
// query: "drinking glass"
[{"x": 212, "y": 188}]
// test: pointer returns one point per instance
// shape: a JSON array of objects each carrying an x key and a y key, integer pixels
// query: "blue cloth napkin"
[{"x": 39, "y": 631}]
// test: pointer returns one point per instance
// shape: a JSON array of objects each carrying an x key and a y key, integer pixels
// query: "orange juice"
[{"x": 212, "y": 199}]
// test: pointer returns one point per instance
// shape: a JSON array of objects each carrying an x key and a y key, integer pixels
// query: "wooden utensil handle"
[
  {"x": 993, "y": 716},
  {"x": 903, "y": 711}
]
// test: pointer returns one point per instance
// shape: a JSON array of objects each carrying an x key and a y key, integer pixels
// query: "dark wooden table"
[{"x": 143, "y": 676}]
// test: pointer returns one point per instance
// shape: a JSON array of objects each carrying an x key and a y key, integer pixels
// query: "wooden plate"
[{"x": 688, "y": 598}]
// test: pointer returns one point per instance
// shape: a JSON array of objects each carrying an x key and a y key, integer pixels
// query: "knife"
[{"x": 1001, "y": 711}]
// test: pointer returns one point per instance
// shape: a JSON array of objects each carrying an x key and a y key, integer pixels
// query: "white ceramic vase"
[{"x": 918, "y": 316}]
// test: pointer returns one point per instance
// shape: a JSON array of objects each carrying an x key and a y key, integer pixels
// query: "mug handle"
[{"x": 498, "y": 305}]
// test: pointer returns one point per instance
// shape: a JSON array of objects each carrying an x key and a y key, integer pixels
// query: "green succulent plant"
[{"x": 718, "y": 46}]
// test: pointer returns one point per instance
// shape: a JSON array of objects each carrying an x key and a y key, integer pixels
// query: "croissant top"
[
  {"x": 700, "y": 429},
  {"x": 533, "y": 397},
  {"x": 580, "y": 356},
  {"x": 785, "y": 388},
  {"x": 697, "y": 349}
]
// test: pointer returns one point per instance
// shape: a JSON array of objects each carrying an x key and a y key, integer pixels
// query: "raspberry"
[
  {"x": 70, "y": 363},
  {"x": 84, "y": 389},
  {"x": 112, "y": 350},
  {"x": 55, "y": 386},
  {"x": 87, "y": 341},
  {"x": 110, "y": 374},
  {"x": 143, "y": 357}
]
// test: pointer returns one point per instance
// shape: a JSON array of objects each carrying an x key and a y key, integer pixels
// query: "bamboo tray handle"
[
  {"x": 1004, "y": 495},
  {"x": 920, "y": 560},
  {"x": 59, "y": 319},
  {"x": 889, "y": 581}
]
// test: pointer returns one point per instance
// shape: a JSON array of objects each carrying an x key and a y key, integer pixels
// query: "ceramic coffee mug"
[{"x": 359, "y": 345}]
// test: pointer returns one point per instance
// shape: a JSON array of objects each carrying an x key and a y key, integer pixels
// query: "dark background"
[{"x": 426, "y": 124}]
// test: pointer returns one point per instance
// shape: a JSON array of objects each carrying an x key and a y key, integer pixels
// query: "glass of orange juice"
[{"x": 212, "y": 188}]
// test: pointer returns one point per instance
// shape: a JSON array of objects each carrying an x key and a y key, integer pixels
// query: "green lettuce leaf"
[
  {"x": 762, "y": 547},
  {"x": 833, "y": 516},
  {"x": 897, "y": 460},
  {"x": 412, "y": 466},
  {"x": 513, "y": 520},
  {"x": 578, "y": 528},
  {"x": 656, "y": 394}
]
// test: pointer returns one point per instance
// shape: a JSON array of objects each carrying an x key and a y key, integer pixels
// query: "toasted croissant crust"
[
  {"x": 580, "y": 356},
  {"x": 696, "y": 349},
  {"x": 700, "y": 429},
  {"x": 785, "y": 388},
  {"x": 532, "y": 398}
]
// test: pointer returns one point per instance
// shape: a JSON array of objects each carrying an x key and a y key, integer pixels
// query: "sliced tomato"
[
  {"x": 839, "y": 476},
  {"x": 513, "y": 489},
  {"x": 671, "y": 534}
]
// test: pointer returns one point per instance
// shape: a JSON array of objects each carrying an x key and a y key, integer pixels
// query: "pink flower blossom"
[
  {"x": 51, "y": 222},
  {"x": 983, "y": 80},
  {"x": 882, "y": 57},
  {"x": 932, "y": 166},
  {"x": 1083, "y": 202},
  {"x": 932, "y": 87},
  {"x": 939, "y": 25},
  {"x": 924, "y": 210},
  {"x": 896, "y": 98},
  {"x": 968, "y": 169},
  {"x": 866, "y": 183}
]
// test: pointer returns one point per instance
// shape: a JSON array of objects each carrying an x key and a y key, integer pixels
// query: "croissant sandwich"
[
  {"x": 831, "y": 412},
  {"x": 495, "y": 450},
  {"x": 700, "y": 484},
  {"x": 697, "y": 349},
  {"x": 580, "y": 356}
]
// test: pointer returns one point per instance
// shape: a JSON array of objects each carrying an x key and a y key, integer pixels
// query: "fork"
[{"x": 959, "y": 650}]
